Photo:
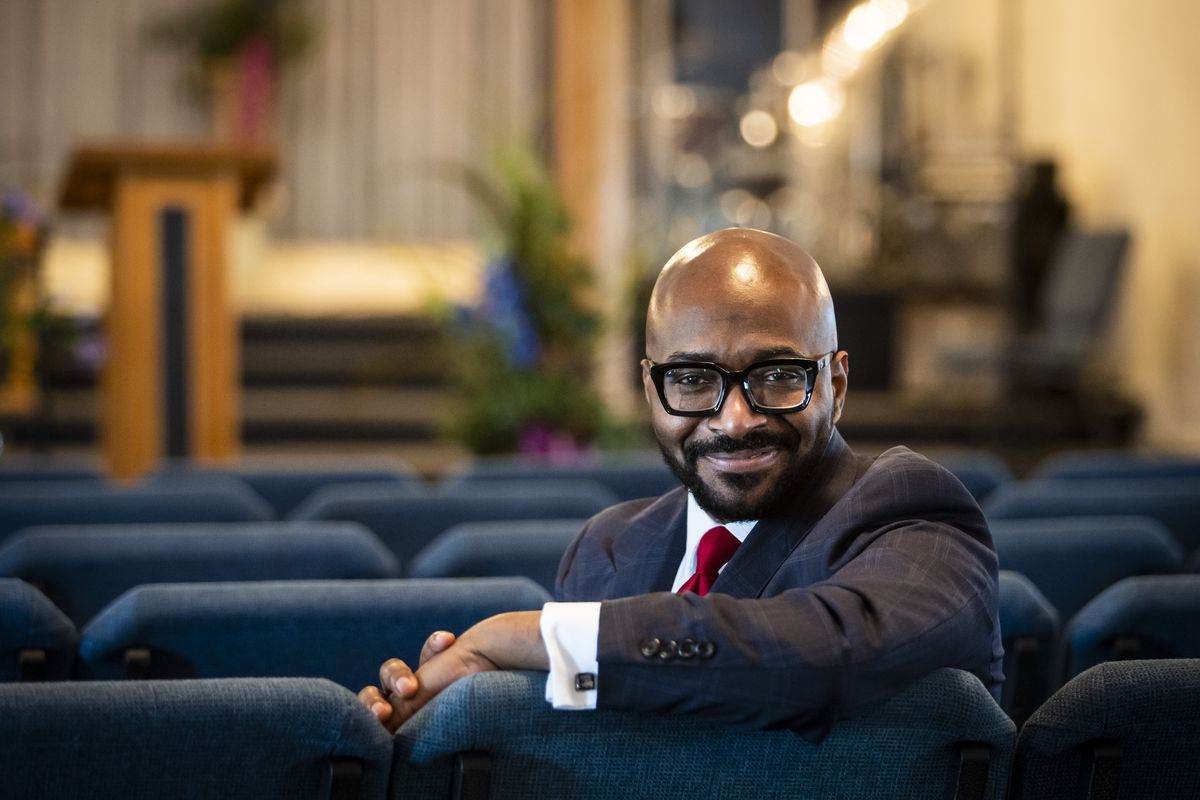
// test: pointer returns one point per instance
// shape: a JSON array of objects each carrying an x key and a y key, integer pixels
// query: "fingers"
[
  {"x": 437, "y": 642},
  {"x": 397, "y": 679},
  {"x": 374, "y": 700}
]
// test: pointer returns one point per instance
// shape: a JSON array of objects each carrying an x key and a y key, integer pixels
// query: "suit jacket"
[{"x": 879, "y": 572}]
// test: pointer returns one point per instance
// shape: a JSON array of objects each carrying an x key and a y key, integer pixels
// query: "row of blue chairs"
[
  {"x": 340, "y": 630},
  {"x": 1120, "y": 730}
]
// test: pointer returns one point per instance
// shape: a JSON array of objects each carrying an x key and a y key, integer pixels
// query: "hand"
[
  {"x": 505, "y": 641},
  {"x": 398, "y": 682}
]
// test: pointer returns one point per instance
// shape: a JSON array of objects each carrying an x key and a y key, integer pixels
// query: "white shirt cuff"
[{"x": 571, "y": 632}]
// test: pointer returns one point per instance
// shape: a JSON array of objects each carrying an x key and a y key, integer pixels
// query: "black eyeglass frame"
[{"x": 812, "y": 367}]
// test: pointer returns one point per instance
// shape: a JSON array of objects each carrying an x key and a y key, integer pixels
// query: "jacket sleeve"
[{"x": 908, "y": 585}]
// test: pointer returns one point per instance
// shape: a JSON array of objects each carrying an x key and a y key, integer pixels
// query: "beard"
[{"x": 732, "y": 497}]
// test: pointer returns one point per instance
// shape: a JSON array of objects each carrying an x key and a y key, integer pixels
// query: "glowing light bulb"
[
  {"x": 815, "y": 102},
  {"x": 865, "y": 27},
  {"x": 758, "y": 128}
]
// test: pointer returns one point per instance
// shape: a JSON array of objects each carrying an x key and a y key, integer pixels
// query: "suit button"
[
  {"x": 688, "y": 648},
  {"x": 669, "y": 650},
  {"x": 649, "y": 647},
  {"x": 707, "y": 649}
]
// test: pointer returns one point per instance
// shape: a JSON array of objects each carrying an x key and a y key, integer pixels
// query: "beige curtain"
[{"x": 392, "y": 88}]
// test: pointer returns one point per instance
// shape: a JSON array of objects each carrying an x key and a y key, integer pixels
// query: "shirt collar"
[{"x": 699, "y": 522}]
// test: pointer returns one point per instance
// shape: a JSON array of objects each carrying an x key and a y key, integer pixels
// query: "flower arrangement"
[
  {"x": 238, "y": 48},
  {"x": 22, "y": 231},
  {"x": 522, "y": 357}
]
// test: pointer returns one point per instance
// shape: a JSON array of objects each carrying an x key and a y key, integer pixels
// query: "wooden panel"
[{"x": 134, "y": 420}]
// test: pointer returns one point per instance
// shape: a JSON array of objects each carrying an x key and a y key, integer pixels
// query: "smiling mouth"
[{"x": 742, "y": 460}]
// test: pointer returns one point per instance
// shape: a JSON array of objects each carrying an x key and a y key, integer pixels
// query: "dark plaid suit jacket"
[{"x": 882, "y": 571}]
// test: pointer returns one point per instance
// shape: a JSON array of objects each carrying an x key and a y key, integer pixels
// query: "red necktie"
[{"x": 716, "y": 547}]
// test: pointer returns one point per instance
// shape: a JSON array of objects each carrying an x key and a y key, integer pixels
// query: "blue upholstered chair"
[
  {"x": 27, "y": 468},
  {"x": 1123, "y": 730},
  {"x": 83, "y": 568},
  {"x": 628, "y": 476},
  {"x": 1154, "y": 616},
  {"x": 407, "y": 523},
  {"x": 239, "y": 739},
  {"x": 1116, "y": 464},
  {"x": 531, "y": 548},
  {"x": 1029, "y": 628},
  {"x": 1175, "y": 502},
  {"x": 341, "y": 630},
  {"x": 285, "y": 483},
  {"x": 37, "y": 642},
  {"x": 23, "y": 505},
  {"x": 1099, "y": 550},
  {"x": 981, "y": 472},
  {"x": 941, "y": 734}
]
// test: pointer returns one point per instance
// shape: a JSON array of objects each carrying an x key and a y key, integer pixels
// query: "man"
[{"x": 849, "y": 577}]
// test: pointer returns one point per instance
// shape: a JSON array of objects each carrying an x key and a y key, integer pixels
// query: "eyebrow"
[{"x": 758, "y": 355}]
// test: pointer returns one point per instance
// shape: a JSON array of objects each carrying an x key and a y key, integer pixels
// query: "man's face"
[{"x": 740, "y": 464}]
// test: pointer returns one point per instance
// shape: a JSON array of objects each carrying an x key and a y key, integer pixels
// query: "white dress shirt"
[{"x": 571, "y": 631}]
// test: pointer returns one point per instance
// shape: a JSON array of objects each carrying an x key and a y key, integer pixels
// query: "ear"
[
  {"x": 648, "y": 384},
  {"x": 839, "y": 378}
]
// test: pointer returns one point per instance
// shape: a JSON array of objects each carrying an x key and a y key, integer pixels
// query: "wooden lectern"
[{"x": 171, "y": 380}]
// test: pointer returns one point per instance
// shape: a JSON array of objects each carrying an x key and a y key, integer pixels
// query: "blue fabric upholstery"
[
  {"x": 407, "y": 523},
  {"x": 83, "y": 568},
  {"x": 1099, "y": 550},
  {"x": 903, "y": 749},
  {"x": 23, "y": 505},
  {"x": 628, "y": 476},
  {"x": 25, "y": 468},
  {"x": 285, "y": 483},
  {"x": 262, "y": 739},
  {"x": 341, "y": 630},
  {"x": 1175, "y": 502},
  {"x": 1111, "y": 464},
  {"x": 1029, "y": 628},
  {"x": 1150, "y": 710},
  {"x": 982, "y": 473},
  {"x": 1154, "y": 616},
  {"x": 30, "y": 622},
  {"x": 531, "y": 548}
]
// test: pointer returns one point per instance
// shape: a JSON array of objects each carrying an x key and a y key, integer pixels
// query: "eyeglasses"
[{"x": 699, "y": 388}]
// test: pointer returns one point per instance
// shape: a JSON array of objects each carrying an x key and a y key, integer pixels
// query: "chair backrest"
[
  {"x": 531, "y": 548},
  {"x": 23, "y": 505},
  {"x": 407, "y": 523},
  {"x": 284, "y": 739},
  {"x": 83, "y": 568},
  {"x": 1156, "y": 616},
  {"x": 37, "y": 641},
  {"x": 980, "y": 472},
  {"x": 629, "y": 476},
  {"x": 1080, "y": 285},
  {"x": 26, "y": 468},
  {"x": 1124, "y": 729},
  {"x": 285, "y": 483},
  {"x": 915, "y": 746},
  {"x": 1175, "y": 502},
  {"x": 341, "y": 630},
  {"x": 1116, "y": 464},
  {"x": 1073, "y": 559},
  {"x": 1029, "y": 629}
]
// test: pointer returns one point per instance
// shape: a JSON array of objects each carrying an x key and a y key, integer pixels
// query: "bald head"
[{"x": 741, "y": 272}]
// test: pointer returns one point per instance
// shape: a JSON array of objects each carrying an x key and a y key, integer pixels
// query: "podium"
[{"x": 170, "y": 384}]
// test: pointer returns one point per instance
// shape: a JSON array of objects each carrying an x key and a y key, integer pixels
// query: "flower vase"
[{"x": 242, "y": 92}]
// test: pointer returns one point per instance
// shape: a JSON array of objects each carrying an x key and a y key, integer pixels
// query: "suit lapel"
[
  {"x": 646, "y": 557},
  {"x": 774, "y": 538}
]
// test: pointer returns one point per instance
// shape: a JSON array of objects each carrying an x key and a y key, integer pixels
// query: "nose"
[{"x": 736, "y": 418}]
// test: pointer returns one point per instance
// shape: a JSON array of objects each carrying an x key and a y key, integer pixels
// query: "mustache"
[{"x": 757, "y": 440}]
